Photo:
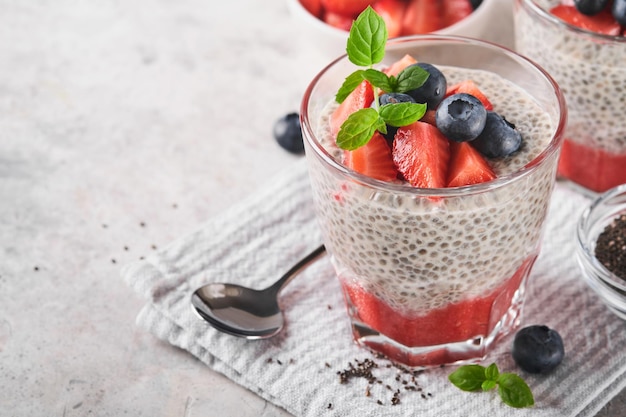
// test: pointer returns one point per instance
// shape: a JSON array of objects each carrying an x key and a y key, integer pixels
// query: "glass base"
[{"x": 467, "y": 339}]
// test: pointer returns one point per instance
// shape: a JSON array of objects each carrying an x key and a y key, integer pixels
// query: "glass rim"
[
  {"x": 329, "y": 160},
  {"x": 546, "y": 16}
]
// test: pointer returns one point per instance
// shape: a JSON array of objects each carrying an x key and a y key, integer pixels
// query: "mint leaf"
[
  {"x": 468, "y": 377},
  {"x": 492, "y": 373},
  {"x": 359, "y": 128},
  {"x": 402, "y": 114},
  {"x": 514, "y": 391},
  {"x": 411, "y": 78},
  {"x": 488, "y": 385},
  {"x": 378, "y": 79},
  {"x": 367, "y": 39},
  {"x": 351, "y": 82}
]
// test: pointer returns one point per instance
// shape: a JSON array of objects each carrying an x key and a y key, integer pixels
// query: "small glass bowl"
[{"x": 610, "y": 287}]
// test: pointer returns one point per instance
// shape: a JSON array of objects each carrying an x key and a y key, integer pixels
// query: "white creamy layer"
[{"x": 417, "y": 254}]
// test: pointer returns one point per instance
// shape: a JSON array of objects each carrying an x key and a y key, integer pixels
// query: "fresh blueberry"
[
  {"x": 619, "y": 11},
  {"x": 288, "y": 133},
  {"x": 391, "y": 98},
  {"x": 461, "y": 117},
  {"x": 434, "y": 88},
  {"x": 499, "y": 137},
  {"x": 590, "y": 7},
  {"x": 538, "y": 349},
  {"x": 475, "y": 3}
]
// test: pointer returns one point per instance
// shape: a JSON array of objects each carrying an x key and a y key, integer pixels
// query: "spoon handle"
[{"x": 302, "y": 264}]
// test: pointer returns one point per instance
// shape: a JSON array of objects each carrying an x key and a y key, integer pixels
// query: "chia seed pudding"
[
  {"x": 591, "y": 71},
  {"x": 426, "y": 268}
]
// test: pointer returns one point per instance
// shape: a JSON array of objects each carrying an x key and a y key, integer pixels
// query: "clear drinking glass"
[
  {"x": 590, "y": 69},
  {"x": 433, "y": 276}
]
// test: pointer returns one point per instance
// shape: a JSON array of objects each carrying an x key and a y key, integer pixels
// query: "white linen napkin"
[{"x": 260, "y": 238}]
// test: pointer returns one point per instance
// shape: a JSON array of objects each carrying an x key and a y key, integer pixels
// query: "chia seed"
[{"x": 611, "y": 247}]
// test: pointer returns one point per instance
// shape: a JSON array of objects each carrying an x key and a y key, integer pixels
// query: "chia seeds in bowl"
[{"x": 601, "y": 248}]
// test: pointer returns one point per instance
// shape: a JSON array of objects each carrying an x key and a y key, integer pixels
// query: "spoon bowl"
[{"x": 246, "y": 312}]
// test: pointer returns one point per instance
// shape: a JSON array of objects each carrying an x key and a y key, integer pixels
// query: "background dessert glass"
[
  {"x": 590, "y": 69},
  {"x": 433, "y": 276}
]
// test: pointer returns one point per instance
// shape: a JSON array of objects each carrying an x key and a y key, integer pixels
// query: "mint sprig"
[
  {"x": 511, "y": 387},
  {"x": 365, "y": 48}
]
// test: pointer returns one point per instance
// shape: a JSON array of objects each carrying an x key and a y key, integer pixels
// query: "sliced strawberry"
[
  {"x": 313, "y": 6},
  {"x": 399, "y": 65},
  {"x": 337, "y": 20},
  {"x": 429, "y": 117},
  {"x": 469, "y": 87},
  {"x": 360, "y": 98},
  {"x": 392, "y": 12},
  {"x": 467, "y": 166},
  {"x": 373, "y": 159},
  {"x": 603, "y": 22},
  {"x": 422, "y": 16},
  {"x": 346, "y": 7},
  {"x": 455, "y": 11},
  {"x": 421, "y": 154}
]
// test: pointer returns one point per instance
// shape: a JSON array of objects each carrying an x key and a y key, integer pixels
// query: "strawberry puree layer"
[
  {"x": 590, "y": 167},
  {"x": 463, "y": 321}
]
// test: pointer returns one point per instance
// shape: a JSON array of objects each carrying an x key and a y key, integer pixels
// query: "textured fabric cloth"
[{"x": 259, "y": 239}]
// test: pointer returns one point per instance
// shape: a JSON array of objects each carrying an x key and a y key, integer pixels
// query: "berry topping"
[
  {"x": 346, "y": 7},
  {"x": 421, "y": 154},
  {"x": 619, "y": 12},
  {"x": 288, "y": 133},
  {"x": 433, "y": 90},
  {"x": 467, "y": 166},
  {"x": 461, "y": 117},
  {"x": 360, "y": 98},
  {"x": 395, "y": 68},
  {"x": 392, "y": 12},
  {"x": 422, "y": 16},
  {"x": 456, "y": 10},
  {"x": 392, "y": 98},
  {"x": 313, "y": 6},
  {"x": 389, "y": 98},
  {"x": 602, "y": 22},
  {"x": 470, "y": 87},
  {"x": 538, "y": 349},
  {"x": 373, "y": 159},
  {"x": 499, "y": 137},
  {"x": 590, "y": 7}
]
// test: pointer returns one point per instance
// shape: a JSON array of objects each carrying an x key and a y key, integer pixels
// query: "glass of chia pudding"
[
  {"x": 590, "y": 68},
  {"x": 432, "y": 276}
]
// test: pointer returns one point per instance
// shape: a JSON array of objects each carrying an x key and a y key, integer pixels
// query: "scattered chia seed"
[
  {"x": 113, "y": 261},
  {"x": 278, "y": 362},
  {"x": 405, "y": 379},
  {"x": 611, "y": 247},
  {"x": 36, "y": 268},
  {"x": 142, "y": 224}
]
